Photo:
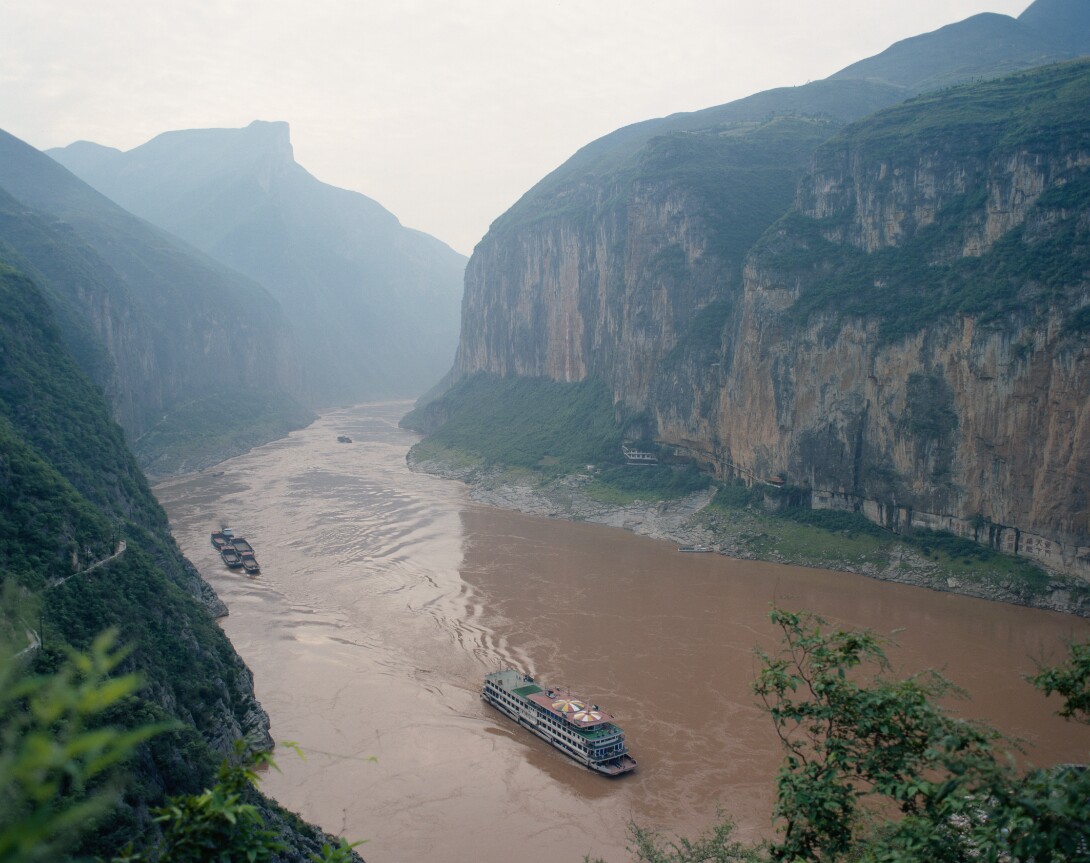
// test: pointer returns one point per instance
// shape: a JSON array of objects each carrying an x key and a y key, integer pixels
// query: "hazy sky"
[{"x": 444, "y": 112}]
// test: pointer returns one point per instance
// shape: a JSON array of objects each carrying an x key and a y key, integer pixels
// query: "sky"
[{"x": 443, "y": 112}]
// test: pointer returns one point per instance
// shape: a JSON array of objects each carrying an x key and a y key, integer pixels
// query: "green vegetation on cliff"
[
  {"x": 524, "y": 422},
  {"x": 542, "y": 429},
  {"x": 926, "y": 277},
  {"x": 778, "y": 524},
  {"x": 205, "y": 431},
  {"x": 153, "y": 323},
  {"x": 69, "y": 491}
]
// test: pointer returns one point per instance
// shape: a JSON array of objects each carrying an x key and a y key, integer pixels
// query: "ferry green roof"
[{"x": 524, "y": 691}]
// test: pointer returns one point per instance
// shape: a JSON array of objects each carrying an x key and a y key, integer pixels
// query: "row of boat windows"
[{"x": 570, "y": 739}]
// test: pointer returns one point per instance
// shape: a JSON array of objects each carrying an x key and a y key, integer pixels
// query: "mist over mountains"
[
  {"x": 146, "y": 315},
  {"x": 374, "y": 305}
]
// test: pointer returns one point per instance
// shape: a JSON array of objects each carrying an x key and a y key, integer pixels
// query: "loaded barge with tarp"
[{"x": 573, "y": 725}]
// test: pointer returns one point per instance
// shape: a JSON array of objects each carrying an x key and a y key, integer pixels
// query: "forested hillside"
[
  {"x": 160, "y": 328},
  {"x": 70, "y": 492}
]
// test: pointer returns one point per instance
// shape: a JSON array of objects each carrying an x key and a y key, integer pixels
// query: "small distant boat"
[
  {"x": 249, "y": 563},
  {"x": 242, "y": 546},
  {"x": 695, "y": 549},
  {"x": 231, "y": 557},
  {"x": 343, "y": 438}
]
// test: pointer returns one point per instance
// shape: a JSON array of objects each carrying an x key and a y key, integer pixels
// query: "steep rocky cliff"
[
  {"x": 373, "y": 305},
  {"x": 603, "y": 277},
  {"x": 69, "y": 491},
  {"x": 911, "y": 339},
  {"x": 903, "y": 332},
  {"x": 155, "y": 323}
]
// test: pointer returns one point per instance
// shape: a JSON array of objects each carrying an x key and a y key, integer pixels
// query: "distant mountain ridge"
[
  {"x": 1065, "y": 23},
  {"x": 982, "y": 46},
  {"x": 374, "y": 305},
  {"x": 153, "y": 321}
]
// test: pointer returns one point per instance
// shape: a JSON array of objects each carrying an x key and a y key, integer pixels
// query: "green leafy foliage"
[
  {"x": 925, "y": 277},
  {"x": 225, "y": 824},
  {"x": 69, "y": 490},
  {"x": 1071, "y": 681},
  {"x": 848, "y": 740},
  {"x": 219, "y": 824},
  {"x": 853, "y": 738},
  {"x": 61, "y": 753},
  {"x": 877, "y": 771},
  {"x": 715, "y": 845},
  {"x": 56, "y": 753},
  {"x": 342, "y": 852}
]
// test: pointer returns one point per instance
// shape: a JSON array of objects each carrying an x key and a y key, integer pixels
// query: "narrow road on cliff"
[{"x": 34, "y": 640}]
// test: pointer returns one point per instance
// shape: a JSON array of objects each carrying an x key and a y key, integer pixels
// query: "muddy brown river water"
[{"x": 385, "y": 596}]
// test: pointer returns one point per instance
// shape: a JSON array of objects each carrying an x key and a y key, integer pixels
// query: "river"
[{"x": 385, "y": 596}]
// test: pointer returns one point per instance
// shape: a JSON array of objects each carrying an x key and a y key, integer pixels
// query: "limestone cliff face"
[
  {"x": 909, "y": 340},
  {"x": 551, "y": 299},
  {"x": 170, "y": 350},
  {"x": 606, "y": 274},
  {"x": 957, "y": 393},
  {"x": 981, "y": 432},
  {"x": 891, "y": 199}
]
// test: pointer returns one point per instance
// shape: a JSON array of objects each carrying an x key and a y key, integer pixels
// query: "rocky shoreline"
[{"x": 688, "y": 522}]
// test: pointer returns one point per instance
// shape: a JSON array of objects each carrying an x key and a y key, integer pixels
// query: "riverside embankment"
[{"x": 748, "y": 535}]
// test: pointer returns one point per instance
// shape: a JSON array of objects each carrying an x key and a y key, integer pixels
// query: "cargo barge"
[{"x": 236, "y": 552}]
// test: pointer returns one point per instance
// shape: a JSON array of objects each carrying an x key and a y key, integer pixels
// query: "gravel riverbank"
[{"x": 688, "y": 521}]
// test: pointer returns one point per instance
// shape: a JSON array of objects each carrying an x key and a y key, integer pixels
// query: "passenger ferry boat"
[{"x": 575, "y": 727}]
